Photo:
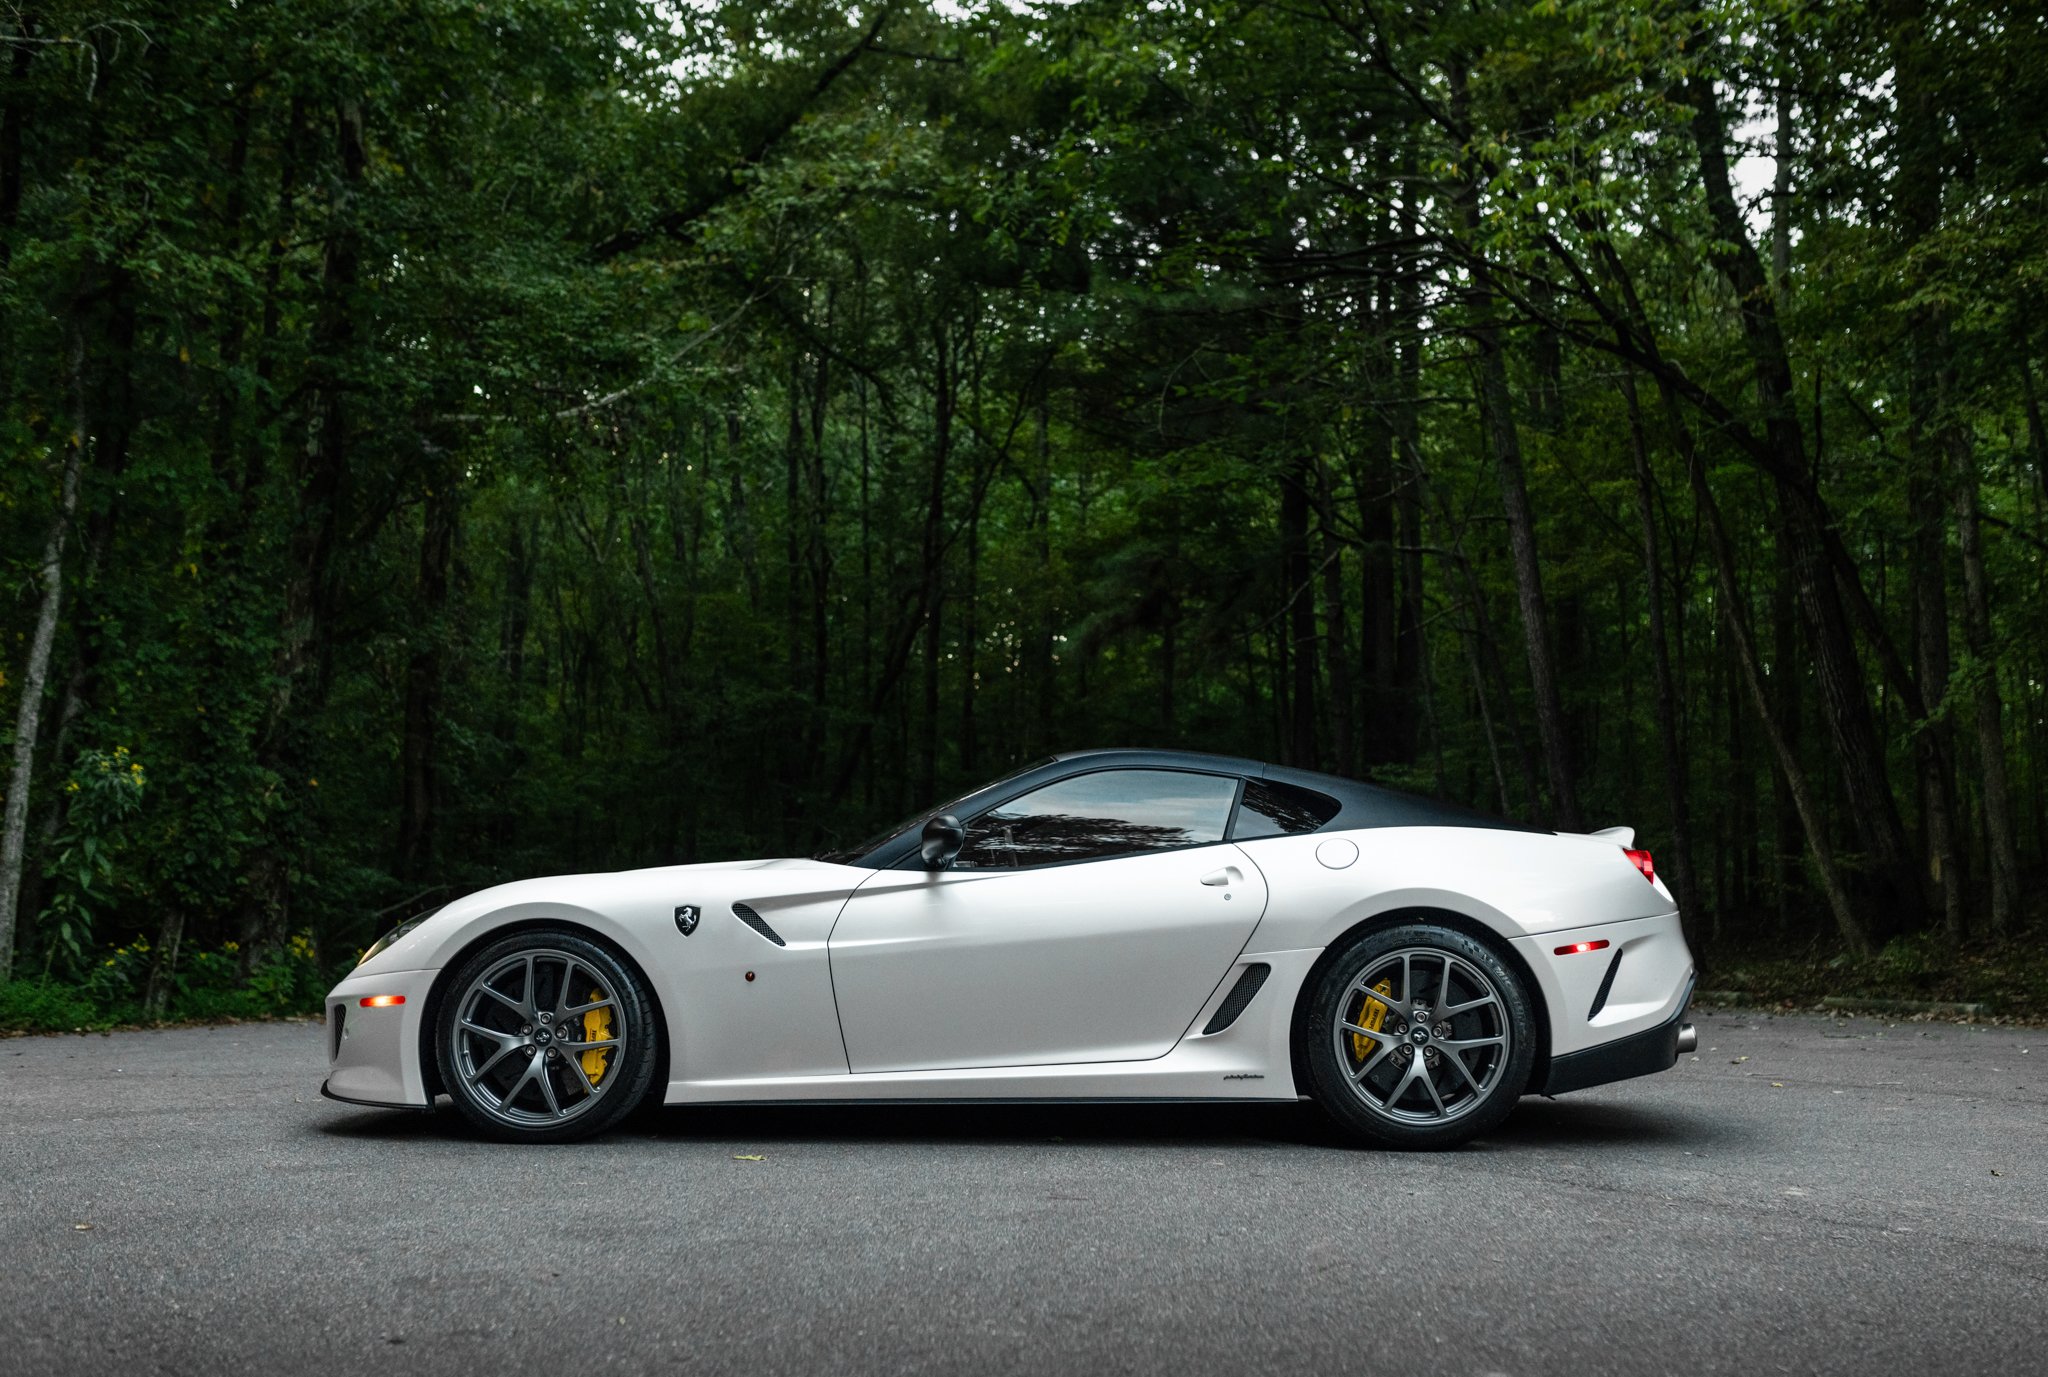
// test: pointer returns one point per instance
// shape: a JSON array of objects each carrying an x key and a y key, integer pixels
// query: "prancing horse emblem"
[{"x": 686, "y": 918}]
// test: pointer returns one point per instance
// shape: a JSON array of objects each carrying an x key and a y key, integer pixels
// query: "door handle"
[{"x": 1229, "y": 874}]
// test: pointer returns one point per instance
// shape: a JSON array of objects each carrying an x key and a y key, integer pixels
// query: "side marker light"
[
  {"x": 381, "y": 1001},
  {"x": 1575, "y": 948}
]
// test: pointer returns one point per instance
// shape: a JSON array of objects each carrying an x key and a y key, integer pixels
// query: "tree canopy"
[{"x": 447, "y": 442}]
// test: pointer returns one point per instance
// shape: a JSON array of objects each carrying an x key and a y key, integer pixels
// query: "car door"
[{"x": 1088, "y": 920}]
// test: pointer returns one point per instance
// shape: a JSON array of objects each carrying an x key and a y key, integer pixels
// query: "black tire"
[
  {"x": 482, "y": 1042},
  {"x": 1355, "y": 1065}
]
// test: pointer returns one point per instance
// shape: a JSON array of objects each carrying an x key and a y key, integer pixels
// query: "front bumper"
[
  {"x": 1639, "y": 1054},
  {"x": 373, "y": 1054}
]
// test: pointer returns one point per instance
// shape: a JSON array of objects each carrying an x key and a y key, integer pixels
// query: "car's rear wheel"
[
  {"x": 1419, "y": 1037},
  {"x": 546, "y": 1037}
]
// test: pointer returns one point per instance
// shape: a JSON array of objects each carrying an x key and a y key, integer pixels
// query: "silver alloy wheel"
[
  {"x": 537, "y": 1038},
  {"x": 1430, "y": 1049}
]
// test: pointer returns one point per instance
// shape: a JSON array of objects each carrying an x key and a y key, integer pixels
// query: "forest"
[{"x": 444, "y": 442}]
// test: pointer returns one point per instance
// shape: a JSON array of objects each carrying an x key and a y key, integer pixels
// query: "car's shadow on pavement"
[{"x": 1536, "y": 1123}]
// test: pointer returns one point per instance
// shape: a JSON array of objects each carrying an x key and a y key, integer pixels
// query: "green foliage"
[
  {"x": 200, "y": 986},
  {"x": 43, "y": 1005},
  {"x": 588, "y": 433},
  {"x": 105, "y": 789}
]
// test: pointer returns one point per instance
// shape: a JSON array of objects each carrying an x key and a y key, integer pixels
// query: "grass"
[
  {"x": 48, "y": 1006},
  {"x": 2010, "y": 979},
  {"x": 107, "y": 990}
]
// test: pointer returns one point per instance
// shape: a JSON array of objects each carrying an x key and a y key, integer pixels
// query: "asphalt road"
[{"x": 1806, "y": 1195}]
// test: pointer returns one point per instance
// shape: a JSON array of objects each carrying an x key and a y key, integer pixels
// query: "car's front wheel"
[
  {"x": 546, "y": 1037},
  {"x": 1419, "y": 1037}
]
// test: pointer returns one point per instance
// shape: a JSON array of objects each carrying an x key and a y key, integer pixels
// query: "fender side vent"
[
  {"x": 1240, "y": 995},
  {"x": 759, "y": 924},
  {"x": 1606, "y": 986}
]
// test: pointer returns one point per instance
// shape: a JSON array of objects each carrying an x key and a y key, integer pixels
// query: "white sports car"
[{"x": 1107, "y": 925}]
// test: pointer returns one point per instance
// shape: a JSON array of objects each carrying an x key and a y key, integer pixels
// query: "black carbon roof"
[
  {"x": 1363, "y": 805},
  {"x": 1358, "y": 805}
]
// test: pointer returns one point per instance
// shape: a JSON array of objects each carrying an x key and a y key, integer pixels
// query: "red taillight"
[
  {"x": 381, "y": 1001},
  {"x": 1599, "y": 944},
  {"x": 1641, "y": 861}
]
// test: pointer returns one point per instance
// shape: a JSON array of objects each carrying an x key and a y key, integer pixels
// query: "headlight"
[{"x": 384, "y": 943}]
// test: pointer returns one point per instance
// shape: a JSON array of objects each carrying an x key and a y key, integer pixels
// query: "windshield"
[{"x": 843, "y": 855}]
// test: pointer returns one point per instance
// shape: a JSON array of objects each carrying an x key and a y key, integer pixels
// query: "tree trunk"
[
  {"x": 934, "y": 593},
  {"x": 115, "y": 421},
  {"x": 1789, "y": 703},
  {"x": 1677, "y": 783},
  {"x": 818, "y": 557},
  {"x": 1932, "y": 741},
  {"x": 13, "y": 114},
  {"x": 425, "y": 675},
  {"x": 2001, "y": 842},
  {"x": 1838, "y": 674},
  {"x": 1781, "y": 192},
  {"x": 1500, "y": 775},
  {"x": 163, "y": 963},
  {"x": 1919, "y": 204},
  {"x": 1552, "y": 730},
  {"x": 1497, "y": 419},
  {"x": 1343, "y": 699},
  {"x": 970, "y": 633},
  {"x": 1038, "y": 645},
  {"x": 1847, "y": 922},
  {"x": 794, "y": 520},
  {"x": 867, "y": 568},
  {"x": 308, "y": 593},
  {"x": 35, "y": 674},
  {"x": 1411, "y": 666},
  {"x": 1379, "y": 606},
  {"x": 1298, "y": 630}
]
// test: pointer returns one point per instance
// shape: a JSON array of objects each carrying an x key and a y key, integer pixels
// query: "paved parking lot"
[{"x": 1806, "y": 1195}]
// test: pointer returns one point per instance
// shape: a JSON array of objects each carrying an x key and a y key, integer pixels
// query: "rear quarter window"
[{"x": 1272, "y": 809}]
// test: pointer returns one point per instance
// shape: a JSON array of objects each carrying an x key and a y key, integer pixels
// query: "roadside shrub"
[
  {"x": 103, "y": 793},
  {"x": 41, "y": 1006},
  {"x": 204, "y": 986}
]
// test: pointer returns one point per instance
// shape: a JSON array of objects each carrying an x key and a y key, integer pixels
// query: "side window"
[
  {"x": 1108, "y": 813},
  {"x": 1272, "y": 809}
]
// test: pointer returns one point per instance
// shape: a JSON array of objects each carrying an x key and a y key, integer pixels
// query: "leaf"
[{"x": 748, "y": 1157}]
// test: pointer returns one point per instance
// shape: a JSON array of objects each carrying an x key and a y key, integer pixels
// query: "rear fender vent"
[
  {"x": 1240, "y": 995},
  {"x": 759, "y": 924},
  {"x": 1606, "y": 986}
]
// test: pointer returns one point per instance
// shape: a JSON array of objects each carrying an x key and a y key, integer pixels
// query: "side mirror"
[{"x": 943, "y": 838}]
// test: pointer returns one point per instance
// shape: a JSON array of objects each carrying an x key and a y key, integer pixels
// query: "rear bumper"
[{"x": 1639, "y": 1054}]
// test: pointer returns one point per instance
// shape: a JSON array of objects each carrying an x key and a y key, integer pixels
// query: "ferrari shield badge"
[{"x": 686, "y": 918}]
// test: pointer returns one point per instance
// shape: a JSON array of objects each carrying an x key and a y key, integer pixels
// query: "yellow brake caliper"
[
  {"x": 1371, "y": 1016},
  {"x": 597, "y": 1027}
]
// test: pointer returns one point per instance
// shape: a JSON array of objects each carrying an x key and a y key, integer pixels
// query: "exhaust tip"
[{"x": 1688, "y": 1038}]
